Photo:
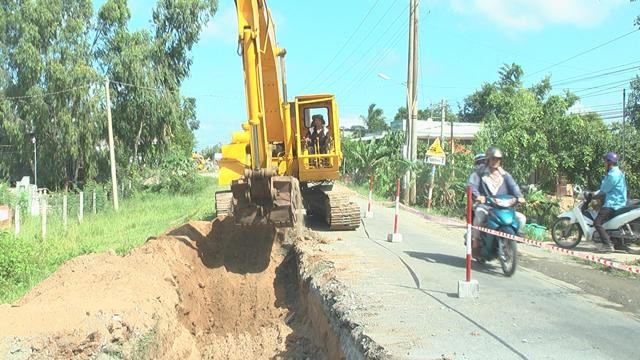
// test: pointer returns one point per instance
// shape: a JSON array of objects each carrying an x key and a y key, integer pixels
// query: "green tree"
[
  {"x": 375, "y": 119},
  {"x": 209, "y": 151},
  {"x": 46, "y": 51}
]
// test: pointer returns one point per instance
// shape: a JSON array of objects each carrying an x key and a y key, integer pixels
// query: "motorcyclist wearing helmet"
[
  {"x": 614, "y": 190},
  {"x": 493, "y": 181},
  {"x": 479, "y": 162}
]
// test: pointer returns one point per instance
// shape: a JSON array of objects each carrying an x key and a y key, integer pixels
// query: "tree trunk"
[{"x": 135, "y": 145}]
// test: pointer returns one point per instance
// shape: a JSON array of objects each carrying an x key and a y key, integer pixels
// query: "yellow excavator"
[{"x": 282, "y": 161}]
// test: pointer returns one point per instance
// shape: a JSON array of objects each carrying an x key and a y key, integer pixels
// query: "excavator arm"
[{"x": 262, "y": 188}]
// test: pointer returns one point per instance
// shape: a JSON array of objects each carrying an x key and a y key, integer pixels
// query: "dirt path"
[{"x": 203, "y": 290}]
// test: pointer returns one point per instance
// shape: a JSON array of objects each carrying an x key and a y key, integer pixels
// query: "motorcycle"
[
  {"x": 569, "y": 228},
  {"x": 502, "y": 218}
]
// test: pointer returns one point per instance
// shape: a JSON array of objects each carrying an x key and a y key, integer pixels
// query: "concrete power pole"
[
  {"x": 443, "y": 106},
  {"x": 112, "y": 150},
  {"x": 412, "y": 99}
]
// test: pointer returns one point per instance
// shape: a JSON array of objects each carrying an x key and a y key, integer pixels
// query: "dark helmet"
[
  {"x": 494, "y": 152},
  {"x": 318, "y": 117},
  {"x": 611, "y": 157},
  {"x": 479, "y": 159}
]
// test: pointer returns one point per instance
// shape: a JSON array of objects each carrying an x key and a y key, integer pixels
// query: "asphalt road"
[{"x": 405, "y": 297}]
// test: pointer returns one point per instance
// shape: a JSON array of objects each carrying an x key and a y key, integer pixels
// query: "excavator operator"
[{"x": 318, "y": 137}]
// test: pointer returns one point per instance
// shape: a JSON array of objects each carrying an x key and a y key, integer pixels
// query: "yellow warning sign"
[{"x": 435, "y": 149}]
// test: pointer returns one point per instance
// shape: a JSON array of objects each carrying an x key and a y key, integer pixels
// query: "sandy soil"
[{"x": 203, "y": 290}]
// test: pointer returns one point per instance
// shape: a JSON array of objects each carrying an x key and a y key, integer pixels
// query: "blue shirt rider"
[{"x": 614, "y": 190}]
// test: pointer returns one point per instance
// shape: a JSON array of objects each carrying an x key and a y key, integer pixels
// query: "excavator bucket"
[{"x": 261, "y": 198}]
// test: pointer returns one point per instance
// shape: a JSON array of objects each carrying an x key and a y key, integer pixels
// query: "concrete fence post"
[
  {"x": 93, "y": 202},
  {"x": 65, "y": 212},
  {"x": 81, "y": 208},
  {"x": 43, "y": 216},
  {"x": 17, "y": 220}
]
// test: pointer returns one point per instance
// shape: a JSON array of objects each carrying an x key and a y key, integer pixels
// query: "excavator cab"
[{"x": 317, "y": 147}]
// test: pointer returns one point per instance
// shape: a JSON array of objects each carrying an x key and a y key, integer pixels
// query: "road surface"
[{"x": 407, "y": 299}]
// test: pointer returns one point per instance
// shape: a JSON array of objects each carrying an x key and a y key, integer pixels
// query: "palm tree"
[{"x": 375, "y": 120}]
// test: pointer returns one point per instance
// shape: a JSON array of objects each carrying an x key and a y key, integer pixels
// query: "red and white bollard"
[
  {"x": 369, "y": 213},
  {"x": 468, "y": 288},
  {"x": 395, "y": 236}
]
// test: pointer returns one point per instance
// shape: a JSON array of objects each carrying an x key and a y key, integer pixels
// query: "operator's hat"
[{"x": 318, "y": 116}]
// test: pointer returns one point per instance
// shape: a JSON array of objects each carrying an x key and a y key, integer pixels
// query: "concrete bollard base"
[
  {"x": 368, "y": 215},
  {"x": 470, "y": 289},
  {"x": 394, "y": 237}
]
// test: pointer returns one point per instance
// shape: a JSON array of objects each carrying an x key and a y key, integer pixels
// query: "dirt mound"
[{"x": 200, "y": 291}]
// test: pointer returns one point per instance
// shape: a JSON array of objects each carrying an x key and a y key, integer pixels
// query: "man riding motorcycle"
[
  {"x": 492, "y": 180},
  {"x": 614, "y": 190}
]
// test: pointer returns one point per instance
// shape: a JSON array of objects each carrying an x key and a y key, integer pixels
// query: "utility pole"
[
  {"x": 112, "y": 151},
  {"x": 412, "y": 99},
  {"x": 443, "y": 105},
  {"x": 624, "y": 114}
]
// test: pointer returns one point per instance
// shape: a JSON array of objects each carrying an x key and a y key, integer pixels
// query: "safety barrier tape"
[{"x": 578, "y": 254}]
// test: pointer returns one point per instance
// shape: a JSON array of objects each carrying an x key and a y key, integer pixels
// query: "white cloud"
[
  {"x": 223, "y": 26},
  {"x": 579, "y": 108},
  {"x": 531, "y": 15}
]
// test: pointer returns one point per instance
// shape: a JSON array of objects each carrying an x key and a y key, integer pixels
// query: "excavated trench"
[
  {"x": 205, "y": 290},
  {"x": 243, "y": 298}
]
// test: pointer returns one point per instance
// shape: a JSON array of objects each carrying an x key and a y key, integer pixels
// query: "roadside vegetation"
[
  {"x": 546, "y": 143},
  {"x": 27, "y": 259}
]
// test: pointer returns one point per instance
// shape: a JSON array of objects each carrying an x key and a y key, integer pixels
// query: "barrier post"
[
  {"x": 17, "y": 220},
  {"x": 395, "y": 236},
  {"x": 468, "y": 288},
  {"x": 369, "y": 213}
]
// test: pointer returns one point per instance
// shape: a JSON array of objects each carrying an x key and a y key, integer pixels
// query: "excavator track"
[
  {"x": 334, "y": 207},
  {"x": 343, "y": 214}
]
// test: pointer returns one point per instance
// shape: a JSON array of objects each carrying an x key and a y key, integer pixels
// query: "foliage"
[
  {"x": 47, "y": 48},
  {"x": 375, "y": 120},
  {"x": 57, "y": 52},
  {"x": 175, "y": 175},
  {"x": 450, "y": 182},
  {"x": 539, "y": 208},
  {"x": 379, "y": 158},
  {"x": 210, "y": 151}
]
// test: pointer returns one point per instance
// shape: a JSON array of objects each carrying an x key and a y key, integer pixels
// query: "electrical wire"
[
  {"x": 577, "y": 77},
  {"x": 343, "y": 63},
  {"x": 45, "y": 94},
  {"x": 342, "y": 47},
  {"x": 582, "y": 53}
]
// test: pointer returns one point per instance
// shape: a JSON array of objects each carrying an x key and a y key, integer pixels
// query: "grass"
[
  {"x": 364, "y": 191},
  {"x": 28, "y": 259}
]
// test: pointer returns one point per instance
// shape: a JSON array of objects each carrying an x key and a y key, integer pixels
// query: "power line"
[
  {"x": 594, "y": 72},
  {"x": 158, "y": 89},
  {"x": 600, "y": 94},
  {"x": 616, "y": 72},
  {"x": 330, "y": 76},
  {"x": 617, "y": 82},
  {"x": 376, "y": 60},
  {"x": 342, "y": 47},
  {"x": 45, "y": 94},
  {"x": 582, "y": 53}
]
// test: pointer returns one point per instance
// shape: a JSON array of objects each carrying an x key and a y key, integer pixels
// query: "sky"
[{"x": 341, "y": 47}]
